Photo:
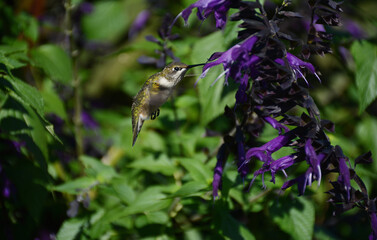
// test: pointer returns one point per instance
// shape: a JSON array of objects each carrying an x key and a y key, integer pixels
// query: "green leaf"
[
  {"x": 227, "y": 225},
  {"x": 214, "y": 98},
  {"x": 53, "y": 103},
  {"x": 30, "y": 26},
  {"x": 365, "y": 55},
  {"x": 157, "y": 217},
  {"x": 367, "y": 133},
  {"x": 190, "y": 189},
  {"x": 75, "y": 186},
  {"x": 14, "y": 55},
  {"x": 29, "y": 180},
  {"x": 54, "y": 61},
  {"x": 110, "y": 19},
  {"x": 95, "y": 167},
  {"x": 29, "y": 94},
  {"x": 295, "y": 218},
  {"x": 124, "y": 192},
  {"x": 161, "y": 165},
  {"x": 198, "y": 171},
  {"x": 70, "y": 229}
]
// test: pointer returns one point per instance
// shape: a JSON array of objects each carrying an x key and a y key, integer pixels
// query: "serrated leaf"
[
  {"x": 157, "y": 217},
  {"x": 53, "y": 103},
  {"x": 161, "y": 165},
  {"x": 189, "y": 189},
  {"x": 95, "y": 167},
  {"x": 29, "y": 94},
  {"x": 124, "y": 192},
  {"x": 229, "y": 227},
  {"x": 54, "y": 61},
  {"x": 70, "y": 229},
  {"x": 365, "y": 55},
  {"x": 295, "y": 218},
  {"x": 198, "y": 171},
  {"x": 75, "y": 186}
]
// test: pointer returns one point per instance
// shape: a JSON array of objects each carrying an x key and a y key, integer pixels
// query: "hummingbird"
[{"x": 154, "y": 93}]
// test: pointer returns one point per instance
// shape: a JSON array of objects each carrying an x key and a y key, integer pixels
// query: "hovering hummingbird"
[{"x": 155, "y": 92}]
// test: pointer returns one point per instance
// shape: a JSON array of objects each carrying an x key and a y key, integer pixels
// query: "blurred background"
[{"x": 69, "y": 71}]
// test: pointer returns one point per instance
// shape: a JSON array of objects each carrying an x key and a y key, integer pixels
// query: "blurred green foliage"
[{"x": 161, "y": 188}]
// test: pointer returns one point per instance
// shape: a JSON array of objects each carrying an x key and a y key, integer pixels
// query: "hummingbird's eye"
[{"x": 177, "y": 69}]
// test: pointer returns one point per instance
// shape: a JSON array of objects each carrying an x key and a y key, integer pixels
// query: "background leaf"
[
  {"x": 365, "y": 55},
  {"x": 54, "y": 61}
]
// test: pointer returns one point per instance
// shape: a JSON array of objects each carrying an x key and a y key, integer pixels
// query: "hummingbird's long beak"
[{"x": 195, "y": 65}]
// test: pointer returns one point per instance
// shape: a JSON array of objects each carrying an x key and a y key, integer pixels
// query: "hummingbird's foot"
[{"x": 155, "y": 114}]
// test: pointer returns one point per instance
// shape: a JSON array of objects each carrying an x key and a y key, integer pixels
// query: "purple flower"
[
  {"x": 86, "y": 7},
  {"x": 312, "y": 173},
  {"x": 88, "y": 121},
  {"x": 206, "y": 7},
  {"x": 275, "y": 124},
  {"x": 373, "y": 223},
  {"x": 263, "y": 153},
  {"x": 222, "y": 156},
  {"x": 239, "y": 53},
  {"x": 314, "y": 162},
  {"x": 344, "y": 176},
  {"x": 139, "y": 23},
  {"x": 274, "y": 166},
  {"x": 18, "y": 145},
  {"x": 355, "y": 30},
  {"x": 7, "y": 188},
  {"x": 296, "y": 64}
]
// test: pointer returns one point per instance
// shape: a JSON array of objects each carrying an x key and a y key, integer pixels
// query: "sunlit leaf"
[
  {"x": 295, "y": 218},
  {"x": 54, "y": 61}
]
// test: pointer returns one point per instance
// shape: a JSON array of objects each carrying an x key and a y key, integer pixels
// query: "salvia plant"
[
  {"x": 272, "y": 82},
  {"x": 241, "y": 151}
]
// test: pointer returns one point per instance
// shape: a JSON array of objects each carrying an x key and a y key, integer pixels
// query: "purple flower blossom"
[
  {"x": 239, "y": 53},
  {"x": 274, "y": 166},
  {"x": 296, "y": 64},
  {"x": 206, "y": 7},
  {"x": 344, "y": 176},
  {"x": 18, "y": 145},
  {"x": 314, "y": 162},
  {"x": 139, "y": 23},
  {"x": 263, "y": 153},
  {"x": 312, "y": 173},
  {"x": 7, "y": 188},
  {"x": 355, "y": 30},
  {"x": 86, "y": 7},
  {"x": 222, "y": 156},
  {"x": 373, "y": 223},
  {"x": 88, "y": 121},
  {"x": 275, "y": 124}
]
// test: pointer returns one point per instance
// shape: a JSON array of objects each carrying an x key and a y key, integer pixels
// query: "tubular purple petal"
[
  {"x": 344, "y": 175},
  {"x": 222, "y": 156},
  {"x": 275, "y": 124},
  {"x": 373, "y": 224}
]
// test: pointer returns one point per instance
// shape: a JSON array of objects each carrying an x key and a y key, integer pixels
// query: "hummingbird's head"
[{"x": 175, "y": 71}]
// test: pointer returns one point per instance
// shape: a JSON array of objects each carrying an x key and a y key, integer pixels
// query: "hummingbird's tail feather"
[{"x": 137, "y": 129}]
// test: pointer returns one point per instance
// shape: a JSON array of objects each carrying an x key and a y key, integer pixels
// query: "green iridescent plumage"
[{"x": 155, "y": 91}]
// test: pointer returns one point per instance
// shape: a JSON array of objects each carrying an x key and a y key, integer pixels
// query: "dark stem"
[{"x": 77, "y": 121}]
